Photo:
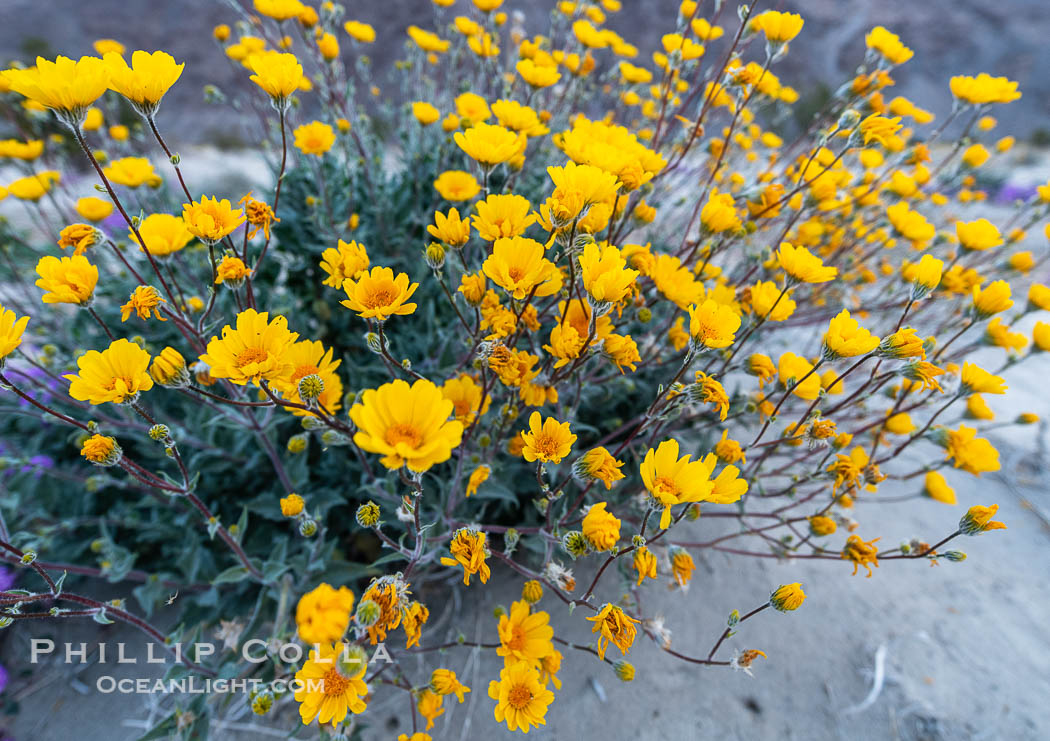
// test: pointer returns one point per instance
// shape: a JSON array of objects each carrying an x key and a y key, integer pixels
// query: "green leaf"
[{"x": 231, "y": 575}]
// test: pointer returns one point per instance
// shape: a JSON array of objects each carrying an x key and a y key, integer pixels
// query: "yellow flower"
[
  {"x": 936, "y": 488},
  {"x": 861, "y": 553},
  {"x": 390, "y": 595},
  {"x": 328, "y": 45},
  {"x": 416, "y": 615},
  {"x": 518, "y": 266},
  {"x": 976, "y": 380},
  {"x": 502, "y": 216},
  {"x": 787, "y": 597},
  {"x": 146, "y": 81},
  {"x": 457, "y": 185},
  {"x": 117, "y": 374},
  {"x": 472, "y": 108},
  {"x": 407, "y": 425},
  {"x": 490, "y": 145},
  {"x": 427, "y": 41},
  {"x": 25, "y": 151},
  {"x": 713, "y": 325},
  {"x": 66, "y": 280},
  {"x": 911, "y": 225},
  {"x": 927, "y": 274},
  {"x": 323, "y": 614},
  {"x": 429, "y": 706},
  {"x": 682, "y": 565},
  {"x": 359, "y": 31},
  {"x": 309, "y": 358},
  {"x": 977, "y": 235},
  {"x": 645, "y": 564},
  {"x": 252, "y": 352},
  {"x": 582, "y": 185},
  {"x": 378, "y": 294},
  {"x": 94, "y": 209},
  {"x": 472, "y": 286},
  {"x": 671, "y": 480},
  {"x": 521, "y": 700},
  {"x": 349, "y": 260},
  {"x": 292, "y": 506},
  {"x": 231, "y": 271},
  {"x": 761, "y": 366},
  {"x": 820, "y": 525},
  {"x": 1041, "y": 336},
  {"x": 132, "y": 172},
  {"x": 276, "y": 73},
  {"x": 517, "y": 117},
  {"x": 845, "y": 338},
  {"x": 601, "y": 527},
  {"x": 33, "y": 187},
  {"x": 1039, "y": 297},
  {"x": 211, "y": 219},
  {"x": 164, "y": 234},
  {"x": 888, "y": 44},
  {"x": 791, "y": 369},
  {"x": 279, "y": 10},
  {"x": 101, "y": 450},
  {"x": 169, "y": 369},
  {"x": 477, "y": 477},
  {"x": 314, "y": 138},
  {"x": 425, "y": 113},
  {"x": 879, "y": 129},
  {"x": 79, "y": 237},
  {"x": 65, "y": 86},
  {"x": 605, "y": 274},
  {"x": 767, "y": 302},
  {"x": 524, "y": 635},
  {"x": 259, "y": 215},
  {"x": 615, "y": 627},
  {"x": 329, "y": 687},
  {"x": 450, "y": 228},
  {"x": 444, "y": 682},
  {"x": 802, "y": 265},
  {"x": 992, "y": 299},
  {"x": 972, "y": 454},
  {"x": 779, "y": 28},
  {"x": 468, "y": 549},
  {"x": 142, "y": 301},
  {"x": 547, "y": 440},
  {"x": 598, "y": 464},
  {"x": 979, "y": 520},
  {"x": 537, "y": 75},
  {"x": 719, "y": 214},
  {"x": 11, "y": 330},
  {"x": 984, "y": 89},
  {"x": 466, "y": 396}
]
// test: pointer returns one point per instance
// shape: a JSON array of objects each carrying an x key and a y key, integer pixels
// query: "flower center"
[
  {"x": 462, "y": 408},
  {"x": 380, "y": 296},
  {"x": 304, "y": 370},
  {"x": 665, "y": 489},
  {"x": 517, "y": 639},
  {"x": 334, "y": 682},
  {"x": 519, "y": 696},
  {"x": 250, "y": 355},
  {"x": 397, "y": 434},
  {"x": 515, "y": 273},
  {"x": 545, "y": 445}
]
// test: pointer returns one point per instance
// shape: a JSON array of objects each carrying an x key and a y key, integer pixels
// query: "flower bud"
[
  {"x": 310, "y": 389},
  {"x": 787, "y": 597},
  {"x": 159, "y": 433},
  {"x": 352, "y": 661},
  {"x": 307, "y": 527},
  {"x": 169, "y": 369},
  {"x": 624, "y": 670},
  {"x": 261, "y": 701},
  {"x": 297, "y": 444},
  {"x": 435, "y": 256},
  {"x": 367, "y": 613},
  {"x": 575, "y": 543},
  {"x": 372, "y": 340},
  {"x": 292, "y": 505},
  {"x": 532, "y": 591},
  {"x": 368, "y": 514}
]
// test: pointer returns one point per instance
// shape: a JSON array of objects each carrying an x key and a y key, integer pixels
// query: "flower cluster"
[{"x": 517, "y": 337}]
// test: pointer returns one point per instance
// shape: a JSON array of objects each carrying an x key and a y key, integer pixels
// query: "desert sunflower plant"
[{"x": 545, "y": 308}]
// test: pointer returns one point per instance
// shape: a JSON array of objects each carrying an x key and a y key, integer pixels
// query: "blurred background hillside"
[{"x": 950, "y": 37}]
